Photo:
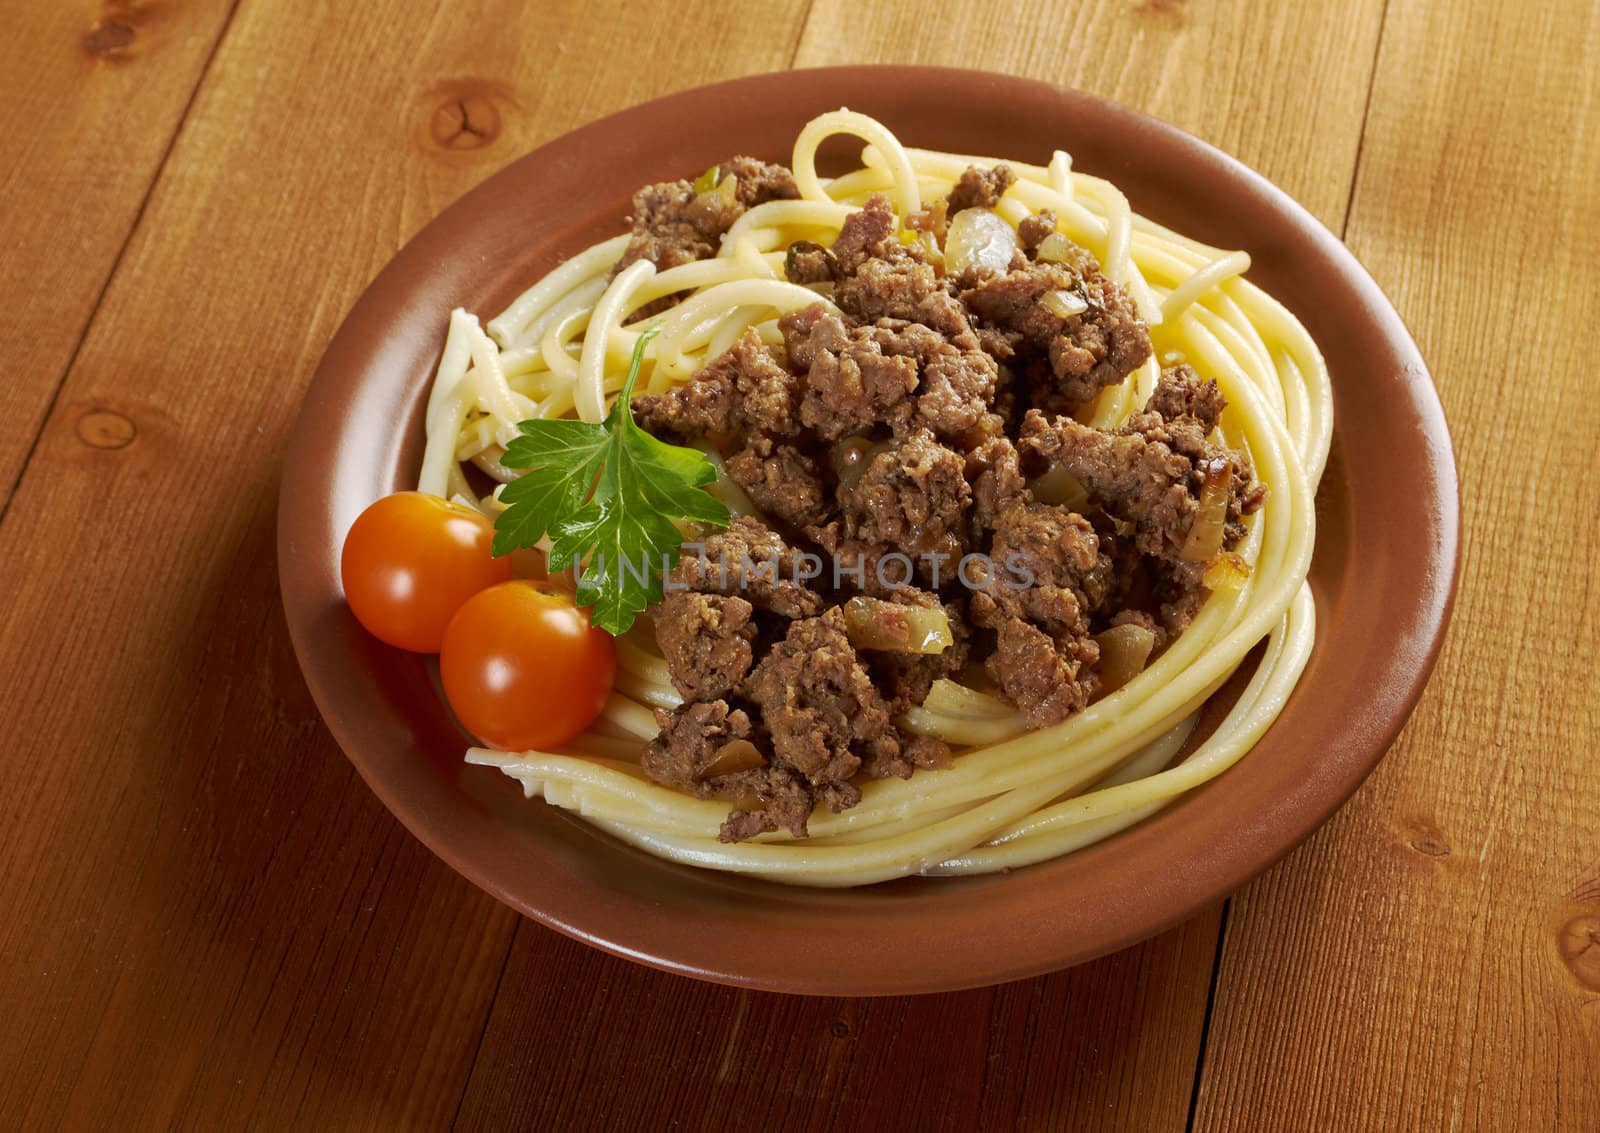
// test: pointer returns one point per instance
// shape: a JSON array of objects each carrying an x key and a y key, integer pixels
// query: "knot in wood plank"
[
  {"x": 1427, "y": 840},
  {"x": 1579, "y": 944},
  {"x": 104, "y": 429},
  {"x": 466, "y": 120},
  {"x": 108, "y": 37}
]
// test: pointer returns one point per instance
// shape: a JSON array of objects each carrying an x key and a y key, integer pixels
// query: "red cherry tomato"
[
  {"x": 523, "y": 668},
  {"x": 410, "y": 561}
]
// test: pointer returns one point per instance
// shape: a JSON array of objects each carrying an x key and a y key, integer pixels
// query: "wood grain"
[
  {"x": 581, "y": 1040},
  {"x": 209, "y": 917},
  {"x": 77, "y": 74},
  {"x": 1431, "y": 959}
]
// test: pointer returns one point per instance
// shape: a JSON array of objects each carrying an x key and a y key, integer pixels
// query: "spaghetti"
[{"x": 1012, "y": 796}]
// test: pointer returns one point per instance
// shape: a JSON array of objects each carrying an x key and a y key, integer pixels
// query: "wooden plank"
[
  {"x": 1109, "y": 1045},
  {"x": 208, "y": 916},
  {"x": 93, "y": 95},
  {"x": 1254, "y": 77},
  {"x": 583, "y": 1040},
  {"x": 1431, "y": 959}
]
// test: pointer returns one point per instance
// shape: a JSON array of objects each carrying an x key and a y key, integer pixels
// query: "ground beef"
[
  {"x": 889, "y": 372},
  {"x": 1054, "y": 553},
  {"x": 749, "y": 560},
  {"x": 759, "y": 181},
  {"x": 915, "y": 752},
  {"x": 912, "y": 497},
  {"x": 1147, "y": 477},
  {"x": 808, "y": 263},
  {"x": 868, "y": 568},
  {"x": 1149, "y": 473},
  {"x": 1182, "y": 393},
  {"x": 933, "y": 219},
  {"x": 689, "y": 738},
  {"x": 851, "y": 383},
  {"x": 674, "y": 225},
  {"x": 782, "y": 800},
  {"x": 1139, "y": 481},
  {"x": 1048, "y": 573},
  {"x": 1181, "y": 414},
  {"x": 878, "y": 277},
  {"x": 958, "y": 380},
  {"x": 826, "y": 717},
  {"x": 782, "y": 481},
  {"x": 743, "y": 387},
  {"x": 979, "y": 188},
  {"x": 1033, "y": 230},
  {"x": 1179, "y": 592},
  {"x": 995, "y": 472},
  {"x": 686, "y": 749},
  {"x": 1048, "y": 680},
  {"x": 706, "y": 639},
  {"x": 867, "y": 234},
  {"x": 902, "y": 287},
  {"x": 819, "y": 703},
  {"x": 1086, "y": 351}
]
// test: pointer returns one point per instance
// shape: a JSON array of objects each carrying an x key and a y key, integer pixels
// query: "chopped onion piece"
[
  {"x": 1053, "y": 249},
  {"x": 725, "y": 487},
  {"x": 977, "y": 237},
  {"x": 1124, "y": 650},
  {"x": 851, "y": 456},
  {"x": 1058, "y": 486},
  {"x": 735, "y": 755},
  {"x": 1227, "y": 571},
  {"x": 1205, "y": 534},
  {"x": 1064, "y": 304},
  {"x": 949, "y": 698},
  {"x": 707, "y": 180},
  {"x": 726, "y": 192},
  {"x": 875, "y": 624}
]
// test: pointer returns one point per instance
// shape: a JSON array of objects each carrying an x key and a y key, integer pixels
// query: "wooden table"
[{"x": 208, "y": 918}]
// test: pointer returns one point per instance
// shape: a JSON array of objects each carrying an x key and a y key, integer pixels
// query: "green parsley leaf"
[{"x": 607, "y": 496}]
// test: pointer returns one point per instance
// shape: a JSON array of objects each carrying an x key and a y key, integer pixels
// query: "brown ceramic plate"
[{"x": 1384, "y": 573}]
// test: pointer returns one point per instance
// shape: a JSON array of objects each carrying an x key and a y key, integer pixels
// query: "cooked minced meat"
[
  {"x": 1087, "y": 351},
  {"x": 995, "y": 471},
  {"x": 673, "y": 224},
  {"x": 852, "y": 382},
  {"x": 751, "y": 561},
  {"x": 979, "y": 188},
  {"x": 781, "y": 480},
  {"x": 818, "y": 702},
  {"x": 1035, "y": 229},
  {"x": 706, "y": 641},
  {"x": 1047, "y": 678},
  {"x": 911, "y": 497},
  {"x": 893, "y": 442},
  {"x": 743, "y": 388},
  {"x": 1149, "y": 472},
  {"x": 906, "y": 678}
]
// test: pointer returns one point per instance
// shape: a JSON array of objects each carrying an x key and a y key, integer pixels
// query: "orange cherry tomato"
[
  {"x": 523, "y": 668},
  {"x": 410, "y": 561}
]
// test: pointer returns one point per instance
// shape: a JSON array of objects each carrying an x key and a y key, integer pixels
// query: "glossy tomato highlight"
[
  {"x": 523, "y": 668},
  {"x": 410, "y": 561}
]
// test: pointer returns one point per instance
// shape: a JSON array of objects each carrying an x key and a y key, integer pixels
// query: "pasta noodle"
[{"x": 1012, "y": 796}]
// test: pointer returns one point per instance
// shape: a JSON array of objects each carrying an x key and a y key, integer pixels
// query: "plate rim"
[{"x": 1291, "y": 825}]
